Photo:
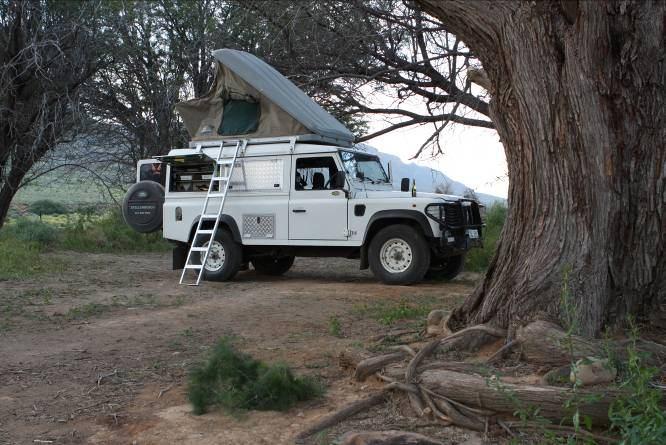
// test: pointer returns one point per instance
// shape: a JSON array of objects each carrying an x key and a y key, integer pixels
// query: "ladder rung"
[
  {"x": 208, "y": 216},
  {"x": 224, "y": 162},
  {"x": 205, "y": 232},
  {"x": 192, "y": 266},
  {"x": 198, "y": 249},
  {"x": 220, "y": 178},
  {"x": 216, "y": 195}
]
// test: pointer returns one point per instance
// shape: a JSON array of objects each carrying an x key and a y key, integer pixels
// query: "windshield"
[{"x": 364, "y": 167}]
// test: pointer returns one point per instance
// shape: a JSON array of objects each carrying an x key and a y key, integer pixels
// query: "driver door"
[{"x": 317, "y": 211}]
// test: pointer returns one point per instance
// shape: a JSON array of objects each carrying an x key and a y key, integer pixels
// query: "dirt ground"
[{"x": 100, "y": 353}]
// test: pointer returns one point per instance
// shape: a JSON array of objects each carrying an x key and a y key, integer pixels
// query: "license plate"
[{"x": 473, "y": 233}]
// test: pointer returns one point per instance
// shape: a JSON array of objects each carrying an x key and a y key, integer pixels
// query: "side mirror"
[
  {"x": 404, "y": 185},
  {"x": 339, "y": 180}
]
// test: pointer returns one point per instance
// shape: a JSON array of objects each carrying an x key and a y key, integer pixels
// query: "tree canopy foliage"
[{"x": 110, "y": 73}]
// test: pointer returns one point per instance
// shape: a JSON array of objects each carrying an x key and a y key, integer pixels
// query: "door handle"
[{"x": 298, "y": 210}]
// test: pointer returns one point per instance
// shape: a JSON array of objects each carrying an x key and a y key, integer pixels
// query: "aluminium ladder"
[{"x": 222, "y": 172}]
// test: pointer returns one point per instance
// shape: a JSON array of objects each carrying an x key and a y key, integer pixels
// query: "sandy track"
[{"x": 85, "y": 354}]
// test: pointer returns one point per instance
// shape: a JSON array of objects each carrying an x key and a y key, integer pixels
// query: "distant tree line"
[{"x": 99, "y": 79}]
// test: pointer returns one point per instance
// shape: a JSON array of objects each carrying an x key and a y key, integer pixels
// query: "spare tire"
[{"x": 142, "y": 206}]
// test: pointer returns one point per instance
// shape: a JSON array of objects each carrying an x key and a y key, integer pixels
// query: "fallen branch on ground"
[{"x": 343, "y": 414}]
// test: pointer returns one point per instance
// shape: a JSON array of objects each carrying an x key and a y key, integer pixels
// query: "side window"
[
  {"x": 315, "y": 173},
  {"x": 151, "y": 171}
]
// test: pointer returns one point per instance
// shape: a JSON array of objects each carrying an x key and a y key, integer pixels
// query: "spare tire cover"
[{"x": 142, "y": 206}]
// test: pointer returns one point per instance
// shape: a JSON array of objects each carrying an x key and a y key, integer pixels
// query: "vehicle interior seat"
[{"x": 318, "y": 181}]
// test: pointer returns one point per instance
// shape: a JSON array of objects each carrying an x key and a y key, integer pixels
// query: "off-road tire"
[
  {"x": 233, "y": 254},
  {"x": 270, "y": 265},
  {"x": 418, "y": 253},
  {"x": 445, "y": 268}
]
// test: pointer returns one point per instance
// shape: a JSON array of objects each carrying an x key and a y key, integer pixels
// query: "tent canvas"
[{"x": 250, "y": 98}]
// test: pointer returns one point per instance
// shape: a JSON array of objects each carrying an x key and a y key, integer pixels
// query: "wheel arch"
[
  {"x": 226, "y": 222},
  {"x": 385, "y": 218}
]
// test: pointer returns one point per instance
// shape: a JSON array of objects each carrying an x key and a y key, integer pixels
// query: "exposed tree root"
[
  {"x": 369, "y": 366},
  {"x": 502, "y": 352},
  {"x": 507, "y": 398},
  {"x": 545, "y": 343},
  {"x": 453, "y": 393},
  {"x": 343, "y": 414}
]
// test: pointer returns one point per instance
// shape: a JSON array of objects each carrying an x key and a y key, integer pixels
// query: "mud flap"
[{"x": 179, "y": 255}]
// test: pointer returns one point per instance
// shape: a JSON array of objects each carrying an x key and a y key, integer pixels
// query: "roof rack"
[{"x": 311, "y": 138}]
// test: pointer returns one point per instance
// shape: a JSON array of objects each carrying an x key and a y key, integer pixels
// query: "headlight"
[{"x": 435, "y": 212}]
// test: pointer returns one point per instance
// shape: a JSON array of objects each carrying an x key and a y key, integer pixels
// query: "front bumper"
[{"x": 460, "y": 223}]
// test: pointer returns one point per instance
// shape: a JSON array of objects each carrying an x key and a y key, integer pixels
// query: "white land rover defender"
[{"x": 269, "y": 176}]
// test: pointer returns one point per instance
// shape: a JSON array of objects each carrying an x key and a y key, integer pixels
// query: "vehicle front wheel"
[
  {"x": 446, "y": 268},
  {"x": 399, "y": 254},
  {"x": 270, "y": 265},
  {"x": 224, "y": 259}
]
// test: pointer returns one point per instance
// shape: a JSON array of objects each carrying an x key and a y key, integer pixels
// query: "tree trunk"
[
  {"x": 10, "y": 186},
  {"x": 579, "y": 101}
]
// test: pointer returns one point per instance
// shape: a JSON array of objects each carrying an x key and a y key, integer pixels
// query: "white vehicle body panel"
[{"x": 298, "y": 217}]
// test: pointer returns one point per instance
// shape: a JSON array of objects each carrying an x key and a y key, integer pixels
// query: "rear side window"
[
  {"x": 315, "y": 173},
  {"x": 151, "y": 171}
]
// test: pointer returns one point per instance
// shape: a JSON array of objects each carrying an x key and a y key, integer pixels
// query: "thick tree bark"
[{"x": 579, "y": 101}]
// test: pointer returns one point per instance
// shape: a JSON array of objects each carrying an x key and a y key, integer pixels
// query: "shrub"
[
  {"x": 108, "y": 233},
  {"x": 637, "y": 414},
  {"x": 236, "y": 382},
  {"x": 477, "y": 260},
  {"x": 47, "y": 207},
  {"x": 32, "y": 231}
]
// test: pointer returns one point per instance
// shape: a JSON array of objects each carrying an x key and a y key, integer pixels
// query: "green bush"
[
  {"x": 237, "y": 382},
  {"x": 31, "y": 231},
  {"x": 48, "y": 207},
  {"x": 477, "y": 260},
  {"x": 108, "y": 233},
  {"x": 637, "y": 414}
]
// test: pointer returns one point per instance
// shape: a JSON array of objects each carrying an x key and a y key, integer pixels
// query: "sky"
[{"x": 473, "y": 156}]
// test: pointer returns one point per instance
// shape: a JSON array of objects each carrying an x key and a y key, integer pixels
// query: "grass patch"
[
  {"x": 119, "y": 301},
  {"x": 477, "y": 260},
  {"x": 23, "y": 259},
  {"x": 83, "y": 232},
  {"x": 335, "y": 327},
  {"x": 237, "y": 382},
  {"x": 87, "y": 310},
  {"x": 388, "y": 313}
]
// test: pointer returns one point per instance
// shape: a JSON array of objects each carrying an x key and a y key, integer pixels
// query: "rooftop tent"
[{"x": 250, "y": 98}]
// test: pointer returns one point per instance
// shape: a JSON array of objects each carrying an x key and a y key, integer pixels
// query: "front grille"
[{"x": 453, "y": 215}]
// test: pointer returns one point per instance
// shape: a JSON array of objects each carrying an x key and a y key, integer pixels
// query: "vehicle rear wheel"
[
  {"x": 270, "y": 265},
  {"x": 224, "y": 259},
  {"x": 446, "y": 268},
  {"x": 399, "y": 254}
]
